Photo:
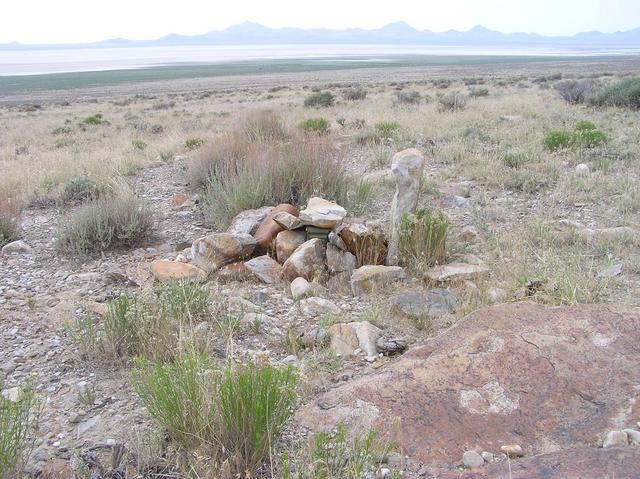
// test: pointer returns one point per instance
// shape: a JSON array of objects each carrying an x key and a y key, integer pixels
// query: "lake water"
[{"x": 33, "y": 62}]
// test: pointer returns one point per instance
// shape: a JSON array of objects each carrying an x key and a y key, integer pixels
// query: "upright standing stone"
[{"x": 407, "y": 168}]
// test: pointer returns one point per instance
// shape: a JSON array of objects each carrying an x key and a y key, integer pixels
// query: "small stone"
[
  {"x": 12, "y": 394},
  {"x": 17, "y": 247},
  {"x": 469, "y": 234},
  {"x": 633, "y": 436},
  {"x": 291, "y": 359},
  {"x": 315, "y": 306},
  {"x": 383, "y": 473},
  {"x": 582, "y": 169},
  {"x": 241, "y": 305},
  {"x": 455, "y": 272},
  {"x": 496, "y": 294},
  {"x": 611, "y": 272},
  {"x": 472, "y": 460},
  {"x": 265, "y": 268},
  {"x": 487, "y": 456},
  {"x": 512, "y": 450},
  {"x": 431, "y": 303},
  {"x": 300, "y": 288},
  {"x": 323, "y": 213},
  {"x": 615, "y": 438}
]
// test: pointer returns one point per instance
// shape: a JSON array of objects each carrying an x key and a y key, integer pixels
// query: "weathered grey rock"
[
  {"x": 247, "y": 221},
  {"x": 265, "y": 268},
  {"x": 238, "y": 304},
  {"x": 430, "y": 303},
  {"x": 340, "y": 283},
  {"x": 469, "y": 234},
  {"x": 287, "y": 242},
  {"x": 216, "y": 250},
  {"x": 323, "y": 213},
  {"x": 582, "y": 169},
  {"x": 611, "y": 272},
  {"x": 487, "y": 456},
  {"x": 615, "y": 438},
  {"x": 315, "y": 306},
  {"x": 17, "y": 247},
  {"x": 368, "y": 278},
  {"x": 164, "y": 270},
  {"x": 288, "y": 221},
  {"x": 307, "y": 261},
  {"x": 367, "y": 335},
  {"x": 472, "y": 459},
  {"x": 633, "y": 436},
  {"x": 456, "y": 272},
  {"x": 390, "y": 344},
  {"x": 346, "y": 338},
  {"x": 407, "y": 168},
  {"x": 257, "y": 320},
  {"x": 339, "y": 261},
  {"x": 607, "y": 234}
]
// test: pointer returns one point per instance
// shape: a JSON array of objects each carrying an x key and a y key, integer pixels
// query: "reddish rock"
[
  {"x": 575, "y": 463},
  {"x": 269, "y": 229},
  {"x": 212, "y": 252},
  {"x": 307, "y": 261},
  {"x": 164, "y": 270},
  {"x": 545, "y": 378},
  {"x": 234, "y": 272},
  {"x": 287, "y": 242}
]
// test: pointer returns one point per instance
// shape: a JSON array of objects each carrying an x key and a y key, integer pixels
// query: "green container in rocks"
[{"x": 314, "y": 232}]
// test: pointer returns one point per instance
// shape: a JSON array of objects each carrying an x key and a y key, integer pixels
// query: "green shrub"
[
  {"x": 514, "y": 159},
  {"x": 237, "y": 414},
  {"x": 139, "y": 145},
  {"x": 227, "y": 151},
  {"x": 592, "y": 138},
  {"x": 423, "y": 239},
  {"x": 109, "y": 222},
  {"x": 559, "y": 139},
  {"x": 193, "y": 143},
  {"x": 625, "y": 93},
  {"x": 387, "y": 129},
  {"x": 258, "y": 175},
  {"x": 79, "y": 188},
  {"x": 320, "y": 100},
  {"x": 585, "y": 125},
  {"x": 319, "y": 126},
  {"x": 264, "y": 126},
  {"x": 96, "y": 119},
  {"x": 363, "y": 192},
  {"x": 332, "y": 455},
  {"x": 16, "y": 420}
]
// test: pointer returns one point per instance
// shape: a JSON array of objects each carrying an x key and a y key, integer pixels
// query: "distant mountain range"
[{"x": 249, "y": 33}]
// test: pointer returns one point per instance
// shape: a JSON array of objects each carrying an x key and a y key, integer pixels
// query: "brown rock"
[
  {"x": 265, "y": 268},
  {"x": 287, "y": 242},
  {"x": 212, "y": 252},
  {"x": 339, "y": 261},
  {"x": 57, "y": 469},
  {"x": 547, "y": 378},
  {"x": 306, "y": 261},
  {"x": 269, "y": 229},
  {"x": 323, "y": 213},
  {"x": 234, "y": 272},
  {"x": 343, "y": 339},
  {"x": 164, "y": 270},
  {"x": 288, "y": 221},
  {"x": 366, "y": 242}
]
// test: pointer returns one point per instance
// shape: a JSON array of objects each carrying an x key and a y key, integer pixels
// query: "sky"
[{"x": 77, "y": 21}]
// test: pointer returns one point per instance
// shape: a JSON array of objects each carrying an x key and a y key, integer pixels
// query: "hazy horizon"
[{"x": 83, "y": 22}]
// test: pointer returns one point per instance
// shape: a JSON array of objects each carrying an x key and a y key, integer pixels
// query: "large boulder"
[
  {"x": 547, "y": 378},
  {"x": 247, "y": 222},
  {"x": 407, "y": 168},
  {"x": 372, "y": 278},
  {"x": 287, "y": 242},
  {"x": 339, "y": 261},
  {"x": 307, "y": 261},
  {"x": 366, "y": 241},
  {"x": 164, "y": 270},
  {"x": 269, "y": 229},
  {"x": 216, "y": 250},
  {"x": 323, "y": 213},
  {"x": 429, "y": 303},
  {"x": 265, "y": 268}
]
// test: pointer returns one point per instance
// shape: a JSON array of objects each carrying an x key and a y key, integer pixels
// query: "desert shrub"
[
  {"x": 237, "y": 414},
  {"x": 264, "y": 125},
  {"x": 96, "y": 119},
  {"x": 320, "y": 100},
  {"x": 79, "y": 188},
  {"x": 272, "y": 174},
  {"x": 592, "y": 138},
  {"x": 362, "y": 194},
  {"x": 193, "y": 143},
  {"x": 335, "y": 455},
  {"x": 575, "y": 91},
  {"x": 407, "y": 97},
  {"x": 586, "y": 125},
  {"x": 387, "y": 129},
  {"x": 16, "y": 420},
  {"x": 559, "y": 139},
  {"x": 423, "y": 239},
  {"x": 319, "y": 126},
  {"x": 453, "y": 101},
  {"x": 115, "y": 221},
  {"x": 354, "y": 94},
  {"x": 227, "y": 151},
  {"x": 514, "y": 159},
  {"x": 61, "y": 130},
  {"x": 527, "y": 181},
  {"x": 625, "y": 93},
  {"x": 155, "y": 327},
  {"x": 478, "y": 92},
  {"x": 138, "y": 145}
]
